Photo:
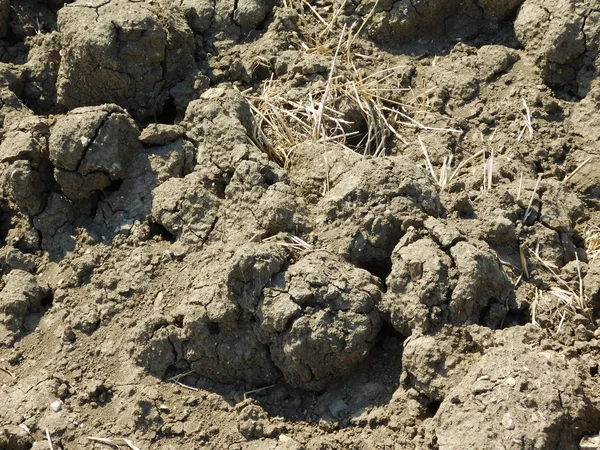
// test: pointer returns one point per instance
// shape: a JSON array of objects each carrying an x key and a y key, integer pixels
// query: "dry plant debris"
[
  {"x": 114, "y": 442},
  {"x": 592, "y": 241},
  {"x": 560, "y": 302},
  {"x": 282, "y": 122}
]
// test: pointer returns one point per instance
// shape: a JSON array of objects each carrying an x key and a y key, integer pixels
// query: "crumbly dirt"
[{"x": 315, "y": 225}]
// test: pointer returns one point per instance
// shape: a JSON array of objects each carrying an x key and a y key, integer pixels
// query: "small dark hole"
[
  {"x": 114, "y": 186},
  {"x": 48, "y": 300},
  {"x": 168, "y": 113},
  {"x": 432, "y": 408},
  {"x": 156, "y": 229},
  {"x": 379, "y": 269},
  {"x": 214, "y": 328},
  {"x": 594, "y": 371},
  {"x": 178, "y": 321}
]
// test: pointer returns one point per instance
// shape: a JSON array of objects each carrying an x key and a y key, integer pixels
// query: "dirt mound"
[
  {"x": 260, "y": 320},
  {"x": 407, "y": 21},
  {"x": 137, "y": 54},
  {"x": 325, "y": 225}
]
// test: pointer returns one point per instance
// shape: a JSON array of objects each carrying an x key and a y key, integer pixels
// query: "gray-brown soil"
[{"x": 327, "y": 224}]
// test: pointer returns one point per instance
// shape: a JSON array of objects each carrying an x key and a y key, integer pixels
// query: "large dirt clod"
[
  {"x": 41, "y": 72},
  {"x": 364, "y": 215},
  {"x": 135, "y": 55},
  {"x": 185, "y": 208},
  {"x": 91, "y": 148},
  {"x": 322, "y": 317},
  {"x": 563, "y": 38},
  {"x": 436, "y": 363},
  {"x": 419, "y": 281},
  {"x": 428, "y": 287},
  {"x": 20, "y": 296},
  {"x": 254, "y": 319},
  {"x": 422, "y": 20},
  {"x": 28, "y": 174},
  {"x": 482, "y": 290}
]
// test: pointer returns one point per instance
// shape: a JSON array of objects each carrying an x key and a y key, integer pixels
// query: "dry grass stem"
[
  {"x": 290, "y": 241},
  {"x": 353, "y": 37},
  {"x": 558, "y": 302},
  {"x": 527, "y": 125},
  {"x": 528, "y": 210},
  {"x": 488, "y": 165},
  {"x": 326, "y": 184},
  {"x": 12, "y": 375},
  {"x": 254, "y": 391},
  {"x": 447, "y": 175},
  {"x": 181, "y": 375},
  {"x": 592, "y": 241},
  {"x": 523, "y": 261},
  {"x": 49, "y": 439},
  {"x": 488, "y": 170},
  {"x": 317, "y": 132},
  {"x": 360, "y": 112},
  {"x": 316, "y": 13},
  {"x": 185, "y": 386},
  {"x": 113, "y": 442},
  {"x": 577, "y": 169}
]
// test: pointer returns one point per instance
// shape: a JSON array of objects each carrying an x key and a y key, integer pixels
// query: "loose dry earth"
[{"x": 285, "y": 225}]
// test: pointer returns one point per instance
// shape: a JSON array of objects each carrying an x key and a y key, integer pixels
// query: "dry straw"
[
  {"x": 591, "y": 236},
  {"x": 560, "y": 302},
  {"x": 282, "y": 122},
  {"x": 117, "y": 442}
]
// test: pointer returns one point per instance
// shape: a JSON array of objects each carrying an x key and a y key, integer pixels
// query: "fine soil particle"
[{"x": 324, "y": 225}]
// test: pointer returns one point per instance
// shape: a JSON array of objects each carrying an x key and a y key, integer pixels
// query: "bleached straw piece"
[
  {"x": 429, "y": 166},
  {"x": 528, "y": 210},
  {"x": 577, "y": 169},
  {"x": 49, "y": 439}
]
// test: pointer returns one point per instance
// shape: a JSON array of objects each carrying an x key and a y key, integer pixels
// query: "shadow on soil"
[{"x": 371, "y": 384}]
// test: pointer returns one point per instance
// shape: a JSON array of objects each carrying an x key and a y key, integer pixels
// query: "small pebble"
[
  {"x": 56, "y": 406},
  {"x": 508, "y": 422}
]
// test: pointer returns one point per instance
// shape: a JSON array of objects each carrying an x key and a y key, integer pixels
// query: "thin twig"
[
  {"x": 427, "y": 160},
  {"x": 523, "y": 262},
  {"x": 12, "y": 375},
  {"x": 254, "y": 391},
  {"x": 113, "y": 442},
  {"x": 317, "y": 129},
  {"x": 579, "y": 167},
  {"x": 185, "y": 386},
  {"x": 526, "y": 122},
  {"x": 49, "y": 439},
  {"x": 181, "y": 375},
  {"x": 528, "y": 210}
]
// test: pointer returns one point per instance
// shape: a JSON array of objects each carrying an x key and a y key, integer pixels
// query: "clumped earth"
[{"x": 313, "y": 225}]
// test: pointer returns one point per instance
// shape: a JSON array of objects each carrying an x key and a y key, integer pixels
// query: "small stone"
[
  {"x": 177, "y": 428},
  {"x": 590, "y": 443},
  {"x": 69, "y": 335},
  {"x": 287, "y": 443},
  {"x": 511, "y": 381},
  {"x": 191, "y": 427},
  {"x": 161, "y": 134},
  {"x": 508, "y": 421},
  {"x": 338, "y": 407},
  {"x": 56, "y": 406}
]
